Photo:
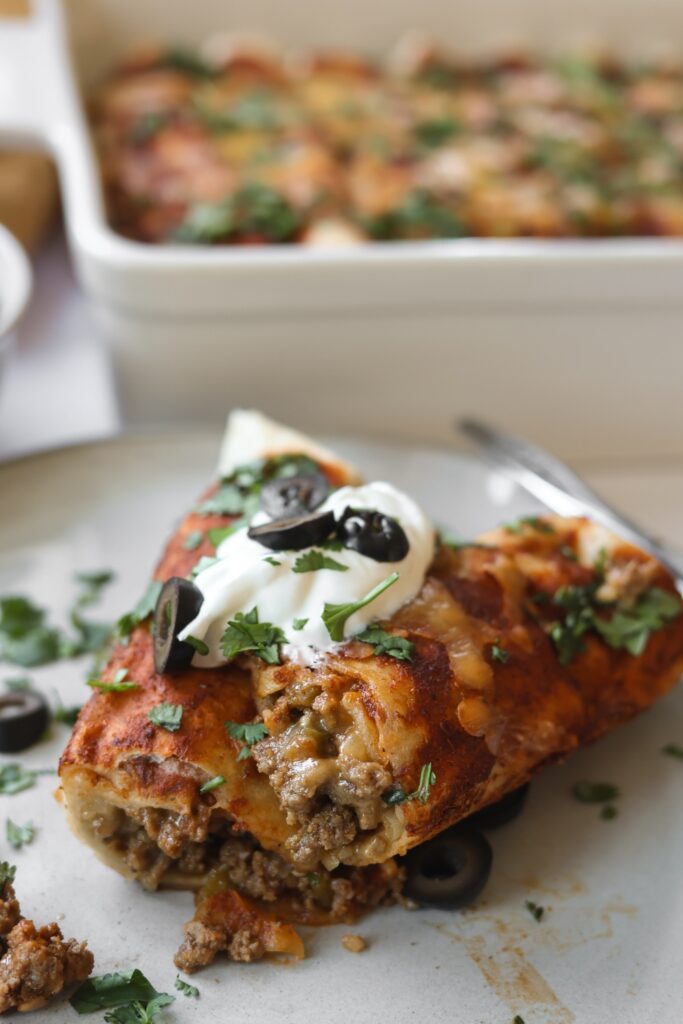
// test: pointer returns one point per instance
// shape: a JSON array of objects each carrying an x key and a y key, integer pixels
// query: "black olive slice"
[
  {"x": 503, "y": 811},
  {"x": 178, "y": 604},
  {"x": 295, "y": 533},
  {"x": 449, "y": 871},
  {"x": 291, "y": 496},
  {"x": 373, "y": 534},
  {"x": 24, "y": 717}
]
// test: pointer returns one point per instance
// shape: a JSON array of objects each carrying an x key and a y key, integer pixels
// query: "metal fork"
[{"x": 556, "y": 485}]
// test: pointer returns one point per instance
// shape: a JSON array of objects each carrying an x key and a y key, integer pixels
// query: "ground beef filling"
[
  {"x": 327, "y": 784},
  {"x": 202, "y": 853},
  {"x": 243, "y": 908},
  {"x": 36, "y": 963}
]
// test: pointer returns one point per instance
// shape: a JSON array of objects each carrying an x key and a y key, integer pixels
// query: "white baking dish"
[
  {"x": 15, "y": 288},
  {"x": 577, "y": 342}
]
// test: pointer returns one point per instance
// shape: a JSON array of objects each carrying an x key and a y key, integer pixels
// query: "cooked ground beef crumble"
[{"x": 36, "y": 963}]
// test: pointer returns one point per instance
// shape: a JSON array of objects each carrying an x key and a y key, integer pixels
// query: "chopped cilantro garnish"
[
  {"x": 313, "y": 560},
  {"x": 272, "y": 559},
  {"x": 142, "y": 609},
  {"x": 167, "y": 716},
  {"x": 25, "y": 639},
  {"x": 217, "y": 534},
  {"x": 14, "y": 779},
  {"x": 299, "y": 624},
  {"x": 386, "y": 643},
  {"x": 19, "y": 835},
  {"x": 193, "y": 540},
  {"x": 66, "y": 715},
  {"x": 118, "y": 684},
  {"x": 7, "y": 873},
  {"x": 245, "y": 634},
  {"x": 533, "y": 522},
  {"x": 335, "y": 616},
  {"x": 200, "y": 646},
  {"x": 594, "y": 792},
  {"x": 213, "y": 783},
  {"x": 534, "y": 909},
  {"x": 518, "y": 1020},
  {"x": 187, "y": 989},
  {"x": 119, "y": 989},
  {"x": 247, "y": 733},
  {"x": 631, "y": 628},
  {"x": 205, "y": 562},
  {"x": 18, "y": 683},
  {"x": 227, "y": 501},
  {"x": 397, "y": 795},
  {"x": 579, "y": 618},
  {"x": 427, "y": 780},
  {"x": 608, "y": 812},
  {"x": 568, "y": 552},
  {"x": 499, "y": 653},
  {"x": 627, "y": 629},
  {"x": 93, "y": 583},
  {"x": 673, "y": 750},
  {"x": 137, "y": 1012}
]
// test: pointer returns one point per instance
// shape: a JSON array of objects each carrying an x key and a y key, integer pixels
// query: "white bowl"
[{"x": 15, "y": 288}]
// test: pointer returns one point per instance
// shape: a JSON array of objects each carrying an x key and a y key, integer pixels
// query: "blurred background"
[{"x": 360, "y": 239}]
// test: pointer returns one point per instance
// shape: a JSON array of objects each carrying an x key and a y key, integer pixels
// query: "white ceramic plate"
[{"x": 608, "y": 947}]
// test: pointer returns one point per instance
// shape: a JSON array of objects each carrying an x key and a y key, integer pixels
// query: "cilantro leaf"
[
  {"x": 186, "y": 988},
  {"x": 299, "y": 624},
  {"x": 93, "y": 583},
  {"x": 205, "y": 562},
  {"x": 117, "y": 685},
  {"x": 167, "y": 716},
  {"x": 193, "y": 540},
  {"x": 335, "y": 616},
  {"x": 19, "y": 835},
  {"x": 386, "y": 643},
  {"x": 397, "y": 795},
  {"x": 66, "y": 715},
  {"x": 247, "y": 733},
  {"x": 245, "y": 634},
  {"x": 227, "y": 501},
  {"x": 594, "y": 792},
  {"x": 14, "y": 779},
  {"x": 579, "y": 618},
  {"x": 213, "y": 783},
  {"x": 200, "y": 646},
  {"x": 137, "y": 1012},
  {"x": 272, "y": 560},
  {"x": 533, "y": 522},
  {"x": 25, "y": 639},
  {"x": 427, "y": 780},
  {"x": 608, "y": 812},
  {"x": 534, "y": 909},
  {"x": 115, "y": 989},
  {"x": 631, "y": 628},
  {"x": 499, "y": 653},
  {"x": 142, "y": 609},
  {"x": 673, "y": 750},
  {"x": 7, "y": 874},
  {"x": 313, "y": 560}
]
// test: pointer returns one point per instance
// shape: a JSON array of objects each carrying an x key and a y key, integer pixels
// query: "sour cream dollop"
[{"x": 243, "y": 579}]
